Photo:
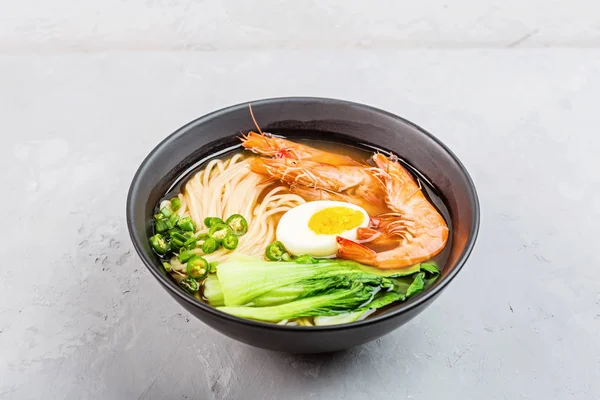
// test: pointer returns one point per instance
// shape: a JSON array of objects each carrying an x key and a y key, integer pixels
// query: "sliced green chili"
[
  {"x": 159, "y": 244},
  {"x": 219, "y": 231},
  {"x": 167, "y": 266},
  {"x": 202, "y": 236},
  {"x": 230, "y": 242},
  {"x": 175, "y": 204},
  {"x": 210, "y": 221},
  {"x": 210, "y": 245},
  {"x": 186, "y": 224},
  {"x": 197, "y": 267},
  {"x": 275, "y": 251},
  {"x": 190, "y": 285},
  {"x": 286, "y": 257},
  {"x": 185, "y": 256},
  {"x": 238, "y": 224}
]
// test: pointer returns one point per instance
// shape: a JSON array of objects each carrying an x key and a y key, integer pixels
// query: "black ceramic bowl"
[{"x": 327, "y": 119}]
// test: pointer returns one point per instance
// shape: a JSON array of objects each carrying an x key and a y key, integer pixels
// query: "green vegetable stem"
[{"x": 332, "y": 291}]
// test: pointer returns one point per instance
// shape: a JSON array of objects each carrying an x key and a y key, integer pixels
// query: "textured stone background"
[
  {"x": 88, "y": 88},
  {"x": 213, "y": 25}
]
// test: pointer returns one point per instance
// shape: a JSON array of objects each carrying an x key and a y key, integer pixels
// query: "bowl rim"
[{"x": 402, "y": 307}]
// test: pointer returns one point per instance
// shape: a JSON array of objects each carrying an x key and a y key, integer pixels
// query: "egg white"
[{"x": 298, "y": 238}]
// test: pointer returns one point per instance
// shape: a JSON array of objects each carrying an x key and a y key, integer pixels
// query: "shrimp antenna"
[{"x": 254, "y": 119}]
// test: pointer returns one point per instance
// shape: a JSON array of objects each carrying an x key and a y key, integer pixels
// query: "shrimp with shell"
[
  {"x": 404, "y": 217},
  {"x": 267, "y": 145},
  {"x": 323, "y": 181},
  {"x": 421, "y": 230}
]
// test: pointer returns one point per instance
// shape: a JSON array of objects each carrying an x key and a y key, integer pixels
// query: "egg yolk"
[{"x": 335, "y": 220}]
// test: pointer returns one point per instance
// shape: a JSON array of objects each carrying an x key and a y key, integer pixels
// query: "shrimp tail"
[{"x": 351, "y": 250}]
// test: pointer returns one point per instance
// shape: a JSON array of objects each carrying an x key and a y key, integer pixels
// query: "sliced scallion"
[
  {"x": 186, "y": 224},
  {"x": 179, "y": 236},
  {"x": 191, "y": 243},
  {"x": 162, "y": 225},
  {"x": 175, "y": 204},
  {"x": 159, "y": 244},
  {"x": 172, "y": 221},
  {"x": 166, "y": 212}
]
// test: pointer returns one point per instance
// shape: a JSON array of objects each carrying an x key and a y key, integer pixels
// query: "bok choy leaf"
[{"x": 332, "y": 291}]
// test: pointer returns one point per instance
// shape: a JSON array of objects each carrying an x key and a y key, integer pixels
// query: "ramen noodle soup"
[{"x": 298, "y": 232}]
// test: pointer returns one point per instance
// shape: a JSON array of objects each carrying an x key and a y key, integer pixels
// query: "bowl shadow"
[{"x": 332, "y": 366}]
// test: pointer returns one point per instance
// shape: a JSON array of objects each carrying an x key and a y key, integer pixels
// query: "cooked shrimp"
[
  {"x": 384, "y": 230},
  {"x": 271, "y": 146},
  {"x": 374, "y": 237},
  {"x": 372, "y": 205},
  {"x": 421, "y": 229},
  {"x": 354, "y": 181}
]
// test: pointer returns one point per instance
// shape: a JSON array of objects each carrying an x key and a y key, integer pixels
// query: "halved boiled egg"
[{"x": 311, "y": 228}]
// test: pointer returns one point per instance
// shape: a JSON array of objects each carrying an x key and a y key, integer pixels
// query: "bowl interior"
[{"x": 327, "y": 119}]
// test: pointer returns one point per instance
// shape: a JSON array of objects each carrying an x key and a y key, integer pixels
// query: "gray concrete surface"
[
  {"x": 88, "y": 88},
  {"x": 80, "y": 317},
  {"x": 212, "y": 25}
]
